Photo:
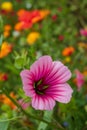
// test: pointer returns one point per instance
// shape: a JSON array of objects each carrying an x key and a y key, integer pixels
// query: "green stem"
[
  {"x": 14, "y": 118},
  {"x": 32, "y": 116},
  {"x": 81, "y": 22}
]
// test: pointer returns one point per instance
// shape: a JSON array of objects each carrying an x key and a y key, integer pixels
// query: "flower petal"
[
  {"x": 29, "y": 91},
  {"x": 27, "y": 77},
  {"x": 58, "y": 74},
  {"x": 41, "y": 67},
  {"x": 61, "y": 92},
  {"x": 27, "y": 80},
  {"x": 43, "y": 102}
]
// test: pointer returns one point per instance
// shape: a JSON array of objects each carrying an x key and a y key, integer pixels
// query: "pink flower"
[
  {"x": 79, "y": 79},
  {"x": 23, "y": 104},
  {"x": 46, "y": 83},
  {"x": 83, "y": 32}
]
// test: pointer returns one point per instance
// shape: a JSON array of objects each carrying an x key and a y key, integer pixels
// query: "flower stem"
[{"x": 32, "y": 116}]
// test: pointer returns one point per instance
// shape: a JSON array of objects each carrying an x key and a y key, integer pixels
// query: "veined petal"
[
  {"x": 55, "y": 68},
  {"x": 61, "y": 92},
  {"x": 27, "y": 80},
  {"x": 29, "y": 92},
  {"x": 27, "y": 77},
  {"x": 43, "y": 102},
  {"x": 41, "y": 67},
  {"x": 59, "y": 74},
  {"x": 24, "y": 73},
  {"x": 50, "y": 103},
  {"x": 35, "y": 101}
]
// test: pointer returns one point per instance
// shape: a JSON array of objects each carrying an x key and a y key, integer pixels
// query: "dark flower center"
[{"x": 40, "y": 87}]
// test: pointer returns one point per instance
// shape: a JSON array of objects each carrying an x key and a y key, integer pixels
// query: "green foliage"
[
  {"x": 48, "y": 117},
  {"x": 60, "y": 29},
  {"x": 4, "y": 125}
]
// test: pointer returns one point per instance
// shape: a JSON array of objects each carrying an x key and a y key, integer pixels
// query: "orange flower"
[
  {"x": 85, "y": 73},
  {"x": 20, "y": 12},
  {"x": 5, "y": 100},
  {"x": 44, "y": 13},
  {"x": 40, "y": 15},
  {"x": 6, "y": 34},
  {"x": 7, "y": 27},
  {"x": 32, "y": 37},
  {"x": 5, "y": 49},
  {"x": 35, "y": 16},
  {"x": 18, "y": 26},
  {"x": 3, "y": 76},
  {"x": 68, "y": 51}
]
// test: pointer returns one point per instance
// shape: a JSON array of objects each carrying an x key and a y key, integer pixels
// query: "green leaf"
[
  {"x": 4, "y": 125},
  {"x": 1, "y": 22},
  {"x": 1, "y": 39},
  {"x": 47, "y": 116},
  {"x": 19, "y": 63}
]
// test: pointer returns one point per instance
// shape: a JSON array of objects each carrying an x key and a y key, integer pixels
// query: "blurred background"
[{"x": 28, "y": 30}]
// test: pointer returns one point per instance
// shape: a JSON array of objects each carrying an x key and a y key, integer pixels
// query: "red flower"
[
  {"x": 28, "y": 18},
  {"x": 3, "y": 77},
  {"x": 61, "y": 38},
  {"x": 3, "y": 12},
  {"x": 68, "y": 51},
  {"x": 54, "y": 17}
]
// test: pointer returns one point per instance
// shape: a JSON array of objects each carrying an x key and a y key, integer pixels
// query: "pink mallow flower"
[
  {"x": 83, "y": 32},
  {"x": 79, "y": 79},
  {"x": 45, "y": 83}
]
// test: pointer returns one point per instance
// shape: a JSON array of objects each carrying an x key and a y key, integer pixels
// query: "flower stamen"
[{"x": 40, "y": 87}]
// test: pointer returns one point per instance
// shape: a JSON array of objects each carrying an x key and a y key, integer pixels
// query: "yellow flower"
[
  {"x": 7, "y": 6},
  {"x": 32, "y": 37},
  {"x": 67, "y": 59},
  {"x": 5, "y": 49}
]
